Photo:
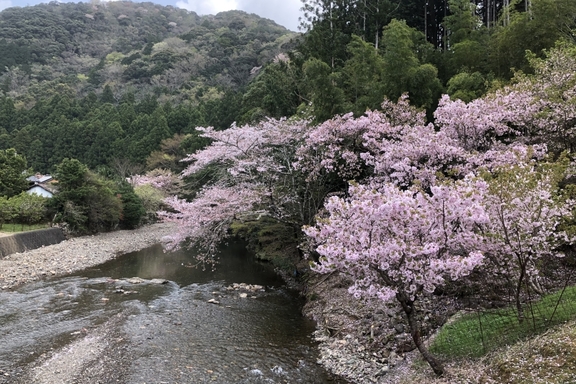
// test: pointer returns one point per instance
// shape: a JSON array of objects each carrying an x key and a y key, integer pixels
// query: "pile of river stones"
[
  {"x": 244, "y": 291},
  {"x": 365, "y": 341}
]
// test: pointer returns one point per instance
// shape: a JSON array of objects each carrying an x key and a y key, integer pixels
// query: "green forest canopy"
[{"x": 109, "y": 83}]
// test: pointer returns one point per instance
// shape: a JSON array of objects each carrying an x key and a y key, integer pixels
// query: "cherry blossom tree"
[
  {"x": 501, "y": 117},
  {"x": 203, "y": 223},
  {"x": 394, "y": 145},
  {"x": 553, "y": 87},
  {"x": 396, "y": 244},
  {"x": 536, "y": 108},
  {"x": 256, "y": 176},
  {"x": 526, "y": 211},
  {"x": 524, "y": 201},
  {"x": 161, "y": 179}
]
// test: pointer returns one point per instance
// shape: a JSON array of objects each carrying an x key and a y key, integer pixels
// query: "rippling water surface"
[{"x": 171, "y": 332}]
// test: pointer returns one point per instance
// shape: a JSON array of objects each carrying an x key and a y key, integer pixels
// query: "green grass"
[
  {"x": 475, "y": 334},
  {"x": 12, "y": 228}
]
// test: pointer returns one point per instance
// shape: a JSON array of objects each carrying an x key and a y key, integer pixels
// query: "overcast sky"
[{"x": 284, "y": 12}]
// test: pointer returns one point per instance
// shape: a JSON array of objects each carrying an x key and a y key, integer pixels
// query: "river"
[{"x": 176, "y": 324}]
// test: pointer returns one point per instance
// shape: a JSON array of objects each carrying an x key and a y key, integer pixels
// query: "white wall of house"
[{"x": 37, "y": 190}]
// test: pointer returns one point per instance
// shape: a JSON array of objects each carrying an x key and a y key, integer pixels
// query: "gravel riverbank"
[
  {"x": 76, "y": 254},
  {"x": 359, "y": 341},
  {"x": 350, "y": 333}
]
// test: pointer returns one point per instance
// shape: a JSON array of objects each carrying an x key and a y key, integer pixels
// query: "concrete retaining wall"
[{"x": 23, "y": 241}]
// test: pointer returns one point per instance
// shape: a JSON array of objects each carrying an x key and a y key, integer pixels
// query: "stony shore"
[
  {"x": 350, "y": 333},
  {"x": 76, "y": 254},
  {"x": 359, "y": 341},
  {"x": 342, "y": 353}
]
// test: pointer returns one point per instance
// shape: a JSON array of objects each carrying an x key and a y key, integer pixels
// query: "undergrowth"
[
  {"x": 12, "y": 228},
  {"x": 475, "y": 334},
  {"x": 270, "y": 241}
]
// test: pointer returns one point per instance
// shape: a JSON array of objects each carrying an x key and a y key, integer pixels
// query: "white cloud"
[{"x": 284, "y": 12}]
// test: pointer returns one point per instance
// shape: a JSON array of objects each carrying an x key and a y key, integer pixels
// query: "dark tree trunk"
[
  {"x": 408, "y": 307},
  {"x": 517, "y": 294}
]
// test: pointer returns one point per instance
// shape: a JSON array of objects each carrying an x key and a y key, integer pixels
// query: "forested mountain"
[
  {"x": 105, "y": 82},
  {"x": 136, "y": 47},
  {"x": 115, "y": 82}
]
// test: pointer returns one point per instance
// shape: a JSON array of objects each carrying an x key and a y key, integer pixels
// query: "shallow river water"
[{"x": 75, "y": 328}]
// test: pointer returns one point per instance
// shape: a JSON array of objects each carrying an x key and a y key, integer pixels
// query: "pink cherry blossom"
[{"x": 391, "y": 240}]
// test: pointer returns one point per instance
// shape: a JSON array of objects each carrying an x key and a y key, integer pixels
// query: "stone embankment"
[
  {"x": 76, "y": 254},
  {"x": 23, "y": 241}
]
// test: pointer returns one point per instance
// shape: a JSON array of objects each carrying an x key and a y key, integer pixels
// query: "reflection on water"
[
  {"x": 235, "y": 264},
  {"x": 194, "y": 329}
]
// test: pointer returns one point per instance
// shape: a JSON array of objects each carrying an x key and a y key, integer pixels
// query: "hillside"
[
  {"x": 106, "y": 83},
  {"x": 131, "y": 47}
]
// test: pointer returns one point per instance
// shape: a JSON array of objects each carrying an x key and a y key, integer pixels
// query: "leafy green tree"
[
  {"x": 106, "y": 145},
  {"x": 7, "y": 211},
  {"x": 403, "y": 72},
  {"x": 133, "y": 210},
  {"x": 107, "y": 96},
  {"x": 28, "y": 208},
  {"x": 12, "y": 173},
  {"x": 469, "y": 55},
  {"x": 537, "y": 29},
  {"x": 184, "y": 119},
  {"x": 152, "y": 200},
  {"x": 276, "y": 92},
  {"x": 363, "y": 76},
  {"x": 5, "y": 139},
  {"x": 8, "y": 114},
  {"x": 400, "y": 58},
  {"x": 221, "y": 113},
  {"x": 152, "y": 129},
  {"x": 467, "y": 86},
  {"x": 467, "y": 38},
  {"x": 71, "y": 174},
  {"x": 327, "y": 96},
  {"x": 86, "y": 202},
  {"x": 127, "y": 115},
  {"x": 147, "y": 106},
  {"x": 174, "y": 149},
  {"x": 328, "y": 35},
  {"x": 462, "y": 21}
]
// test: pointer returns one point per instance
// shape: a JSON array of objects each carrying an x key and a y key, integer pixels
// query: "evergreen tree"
[
  {"x": 327, "y": 96},
  {"x": 403, "y": 72},
  {"x": 133, "y": 210},
  {"x": 363, "y": 76},
  {"x": 12, "y": 176},
  {"x": 85, "y": 201},
  {"x": 107, "y": 96}
]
